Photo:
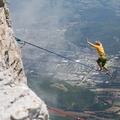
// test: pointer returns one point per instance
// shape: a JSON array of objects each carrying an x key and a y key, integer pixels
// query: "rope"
[
  {"x": 19, "y": 40},
  {"x": 65, "y": 113}
]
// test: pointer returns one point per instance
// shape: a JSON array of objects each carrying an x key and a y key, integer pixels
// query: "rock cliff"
[{"x": 17, "y": 101}]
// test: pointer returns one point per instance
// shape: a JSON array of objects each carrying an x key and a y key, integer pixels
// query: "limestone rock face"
[{"x": 17, "y": 101}]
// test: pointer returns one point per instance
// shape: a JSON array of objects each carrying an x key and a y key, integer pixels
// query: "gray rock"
[{"x": 17, "y": 101}]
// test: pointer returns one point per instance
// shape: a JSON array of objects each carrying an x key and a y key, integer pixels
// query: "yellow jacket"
[{"x": 99, "y": 48}]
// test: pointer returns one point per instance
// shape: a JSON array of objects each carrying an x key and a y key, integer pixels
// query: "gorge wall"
[{"x": 17, "y": 101}]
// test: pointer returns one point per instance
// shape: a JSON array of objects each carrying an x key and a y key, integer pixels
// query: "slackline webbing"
[{"x": 19, "y": 40}]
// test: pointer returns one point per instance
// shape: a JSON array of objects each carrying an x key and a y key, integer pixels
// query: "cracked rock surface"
[{"x": 17, "y": 101}]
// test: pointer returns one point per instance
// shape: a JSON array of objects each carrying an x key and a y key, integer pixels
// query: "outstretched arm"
[{"x": 90, "y": 43}]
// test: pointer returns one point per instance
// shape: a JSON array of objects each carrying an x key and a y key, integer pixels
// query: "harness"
[{"x": 103, "y": 55}]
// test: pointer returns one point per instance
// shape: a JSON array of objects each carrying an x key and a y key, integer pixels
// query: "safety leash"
[{"x": 65, "y": 113}]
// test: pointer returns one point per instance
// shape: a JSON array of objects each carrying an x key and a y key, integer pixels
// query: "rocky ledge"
[{"x": 17, "y": 101}]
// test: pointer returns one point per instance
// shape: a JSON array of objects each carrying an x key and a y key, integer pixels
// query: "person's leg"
[
  {"x": 98, "y": 62},
  {"x": 104, "y": 59}
]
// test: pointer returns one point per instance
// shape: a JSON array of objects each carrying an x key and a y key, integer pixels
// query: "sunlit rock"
[{"x": 17, "y": 101}]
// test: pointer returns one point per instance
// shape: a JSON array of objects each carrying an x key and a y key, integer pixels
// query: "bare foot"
[{"x": 107, "y": 72}]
